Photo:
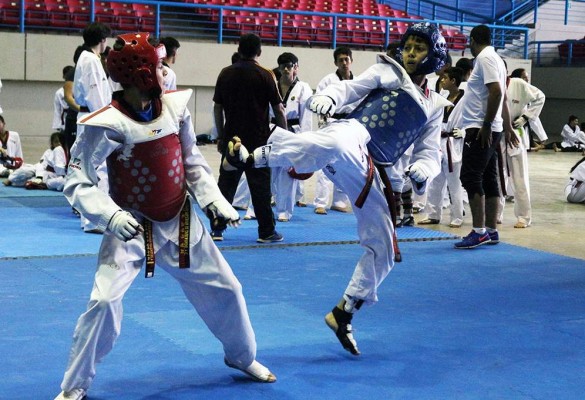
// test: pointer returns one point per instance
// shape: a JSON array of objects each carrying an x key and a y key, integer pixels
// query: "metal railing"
[{"x": 220, "y": 23}]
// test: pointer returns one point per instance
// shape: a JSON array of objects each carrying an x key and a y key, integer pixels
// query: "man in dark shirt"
[{"x": 243, "y": 93}]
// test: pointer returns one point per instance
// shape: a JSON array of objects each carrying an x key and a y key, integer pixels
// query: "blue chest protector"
[{"x": 394, "y": 121}]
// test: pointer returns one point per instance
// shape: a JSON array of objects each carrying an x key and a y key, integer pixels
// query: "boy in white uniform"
[
  {"x": 575, "y": 188},
  {"x": 396, "y": 110},
  {"x": 295, "y": 93},
  {"x": 10, "y": 150},
  {"x": 92, "y": 91},
  {"x": 525, "y": 103},
  {"x": 156, "y": 171}
]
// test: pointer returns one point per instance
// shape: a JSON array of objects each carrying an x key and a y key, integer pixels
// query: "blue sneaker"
[
  {"x": 473, "y": 240},
  {"x": 275, "y": 237},
  {"x": 494, "y": 237}
]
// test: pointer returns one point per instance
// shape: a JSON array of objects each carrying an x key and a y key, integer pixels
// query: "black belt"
[
  {"x": 340, "y": 115},
  {"x": 83, "y": 109}
]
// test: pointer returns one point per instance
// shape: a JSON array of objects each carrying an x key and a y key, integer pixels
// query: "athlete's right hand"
[
  {"x": 236, "y": 156},
  {"x": 124, "y": 226},
  {"x": 323, "y": 105}
]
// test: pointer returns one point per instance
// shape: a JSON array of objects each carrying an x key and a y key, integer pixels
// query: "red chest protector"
[
  {"x": 147, "y": 174},
  {"x": 151, "y": 180}
]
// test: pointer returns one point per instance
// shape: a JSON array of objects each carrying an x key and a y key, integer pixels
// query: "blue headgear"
[{"x": 437, "y": 47}]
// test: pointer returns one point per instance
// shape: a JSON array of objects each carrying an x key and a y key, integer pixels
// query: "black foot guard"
[{"x": 339, "y": 322}]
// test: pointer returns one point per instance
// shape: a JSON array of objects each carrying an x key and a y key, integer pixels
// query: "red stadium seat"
[
  {"x": 58, "y": 12},
  {"x": 246, "y": 22},
  {"x": 104, "y": 13},
  {"x": 146, "y": 16},
  {"x": 302, "y": 23},
  {"x": 267, "y": 25},
  {"x": 321, "y": 28},
  {"x": 35, "y": 13},
  {"x": 9, "y": 12},
  {"x": 79, "y": 13},
  {"x": 124, "y": 17},
  {"x": 344, "y": 34},
  {"x": 358, "y": 31},
  {"x": 289, "y": 31},
  {"x": 376, "y": 30}
]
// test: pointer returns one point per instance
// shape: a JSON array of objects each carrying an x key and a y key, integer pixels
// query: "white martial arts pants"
[
  {"x": 340, "y": 148},
  {"x": 209, "y": 285}
]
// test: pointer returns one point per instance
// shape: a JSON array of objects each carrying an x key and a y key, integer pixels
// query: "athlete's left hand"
[{"x": 417, "y": 172}]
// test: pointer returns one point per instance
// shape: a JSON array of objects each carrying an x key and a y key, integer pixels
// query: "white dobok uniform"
[
  {"x": 575, "y": 188},
  {"x": 324, "y": 189},
  {"x": 286, "y": 189},
  {"x": 92, "y": 90},
  {"x": 523, "y": 99},
  {"x": 393, "y": 114},
  {"x": 152, "y": 166},
  {"x": 572, "y": 138},
  {"x": 170, "y": 79},
  {"x": 451, "y": 154},
  {"x": 59, "y": 107},
  {"x": 13, "y": 149},
  {"x": 51, "y": 169}
]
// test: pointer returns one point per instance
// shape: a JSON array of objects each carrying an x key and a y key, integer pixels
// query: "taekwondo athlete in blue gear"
[{"x": 396, "y": 110}]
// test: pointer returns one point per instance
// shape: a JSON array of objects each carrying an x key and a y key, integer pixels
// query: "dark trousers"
[
  {"x": 259, "y": 184},
  {"x": 479, "y": 167}
]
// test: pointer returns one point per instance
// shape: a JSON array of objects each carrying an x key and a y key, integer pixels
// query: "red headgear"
[{"x": 133, "y": 61}]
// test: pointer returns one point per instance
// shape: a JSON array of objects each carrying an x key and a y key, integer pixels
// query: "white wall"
[{"x": 31, "y": 65}]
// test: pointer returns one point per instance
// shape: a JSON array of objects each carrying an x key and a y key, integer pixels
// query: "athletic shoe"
[
  {"x": 320, "y": 210},
  {"x": 217, "y": 236},
  {"x": 340, "y": 209},
  {"x": 406, "y": 221},
  {"x": 473, "y": 240},
  {"x": 75, "y": 394},
  {"x": 494, "y": 237},
  {"x": 256, "y": 371},
  {"x": 275, "y": 237},
  {"x": 340, "y": 322},
  {"x": 301, "y": 204}
]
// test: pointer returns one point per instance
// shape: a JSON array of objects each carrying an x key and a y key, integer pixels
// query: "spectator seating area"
[
  {"x": 356, "y": 22},
  {"x": 577, "y": 47}
]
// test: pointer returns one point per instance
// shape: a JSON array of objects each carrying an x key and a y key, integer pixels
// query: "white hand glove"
[
  {"x": 458, "y": 133},
  {"x": 417, "y": 172},
  {"x": 221, "y": 209},
  {"x": 323, "y": 105},
  {"x": 520, "y": 121},
  {"x": 124, "y": 226},
  {"x": 236, "y": 156}
]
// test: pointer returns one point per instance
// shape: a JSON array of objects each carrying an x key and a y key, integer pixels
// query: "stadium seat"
[
  {"x": 124, "y": 17},
  {"x": 78, "y": 13},
  {"x": 304, "y": 28},
  {"x": 105, "y": 14},
  {"x": 146, "y": 16},
  {"x": 289, "y": 31},
  {"x": 9, "y": 12},
  {"x": 267, "y": 25},
  {"x": 35, "y": 13},
  {"x": 246, "y": 22},
  {"x": 376, "y": 30},
  {"x": 58, "y": 12},
  {"x": 358, "y": 31},
  {"x": 322, "y": 29}
]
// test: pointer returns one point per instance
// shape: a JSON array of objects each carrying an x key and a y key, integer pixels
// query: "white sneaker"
[
  {"x": 75, "y": 394},
  {"x": 256, "y": 371}
]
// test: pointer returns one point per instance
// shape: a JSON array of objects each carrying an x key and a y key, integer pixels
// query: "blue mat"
[
  {"x": 60, "y": 232},
  {"x": 499, "y": 322}
]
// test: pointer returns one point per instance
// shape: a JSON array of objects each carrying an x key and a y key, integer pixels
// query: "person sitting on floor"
[{"x": 575, "y": 188}]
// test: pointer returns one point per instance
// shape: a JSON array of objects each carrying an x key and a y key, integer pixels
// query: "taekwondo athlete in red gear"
[
  {"x": 397, "y": 110},
  {"x": 156, "y": 173}
]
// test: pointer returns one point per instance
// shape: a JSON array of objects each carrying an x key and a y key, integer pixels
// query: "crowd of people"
[{"x": 384, "y": 137}]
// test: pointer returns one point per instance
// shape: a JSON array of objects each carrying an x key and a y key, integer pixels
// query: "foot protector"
[
  {"x": 340, "y": 322},
  {"x": 256, "y": 371}
]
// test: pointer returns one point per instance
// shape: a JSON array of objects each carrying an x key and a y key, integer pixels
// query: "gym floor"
[{"x": 497, "y": 322}]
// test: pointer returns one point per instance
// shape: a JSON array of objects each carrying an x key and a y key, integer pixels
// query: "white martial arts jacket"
[
  {"x": 111, "y": 135},
  {"x": 91, "y": 88},
  {"x": 394, "y": 123}
]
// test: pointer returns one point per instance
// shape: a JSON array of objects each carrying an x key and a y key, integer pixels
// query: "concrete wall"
[{"x": 31, "y": 64}]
